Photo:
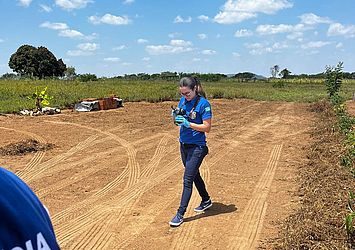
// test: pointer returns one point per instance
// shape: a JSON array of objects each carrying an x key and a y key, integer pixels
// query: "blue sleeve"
[
  {"x": 182, "y": 99},
  {"x": 206, "y": 111}
]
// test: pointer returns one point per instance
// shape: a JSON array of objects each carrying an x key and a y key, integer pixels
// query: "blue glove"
[{"x": 181, "y": 121}]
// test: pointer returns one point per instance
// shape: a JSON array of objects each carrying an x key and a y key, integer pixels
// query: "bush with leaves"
[
  {"x": 333, "y": 79},
  {"x": 41, "y": 98}
]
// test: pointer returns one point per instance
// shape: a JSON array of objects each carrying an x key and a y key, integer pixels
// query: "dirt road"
[{"x": 114, "y": 178}]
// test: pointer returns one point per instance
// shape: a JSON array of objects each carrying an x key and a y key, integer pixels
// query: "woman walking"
[{"x": 194, "y": 120}]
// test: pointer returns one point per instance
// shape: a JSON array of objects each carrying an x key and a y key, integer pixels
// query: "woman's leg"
[{"x": 194, "y": 157}]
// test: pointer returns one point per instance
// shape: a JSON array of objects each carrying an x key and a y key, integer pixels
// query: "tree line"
[{"x": 31, "y": 62}]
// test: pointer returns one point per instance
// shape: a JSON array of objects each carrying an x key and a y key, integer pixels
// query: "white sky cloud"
[
  {"x": 208, "y": 52},
  {"x": 128, "y": 1},
  {"x": 166, "y": 49},
  {"x": 254, "y": 45},
  {"x": 263, "y": 6},
  {"x": 112, "y": 59},
  {"x": 126, "y": 64},
  {"x": 54, "y": 26},
  {"x": 233, "y": 17},
  {"x": 337, "y": 29},
  {"x": 121, "y": 47},
  {"x": 25, "y": 3},
  {"x": 141, "y": 40},
  {"x": 79, "y": 53},
  {"x": 203, "y": 18},
  {"x": 88, "y": 46},
  {"x": 312, "y": 19},
  {"x": 269, "y": 29},
  {"x": 72, "y": 4},
  {"x": 110, "y": 19},
  {"x": 179, "y": 19},
  {"x": 45, "y": 8},
  {"x": 236, "y": 54},
  {"x": 174, "y": 35},
  {"x": 243, "y": 33},
  {"x": 339, "y": 45},
  {"x": 295, "y": 35},
  {"x": 235, "y": 11},
  {"x": 263, "y": 48},
  {"x": 314, "y": 45},
  {"x": 181, "y": 43},
  {"x": 71, "y": 33},
  {"x": 146, "y": 59},
  {"x": 202, "y": 36},
  {"x": 279, "y": 45}
]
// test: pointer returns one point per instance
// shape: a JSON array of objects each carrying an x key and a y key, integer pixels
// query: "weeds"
[{"x": 349, "y": 224}]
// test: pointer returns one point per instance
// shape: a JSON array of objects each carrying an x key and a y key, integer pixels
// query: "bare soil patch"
[
  {"x": 324, "y": 186},
  {"x": 114, "y": 179}
]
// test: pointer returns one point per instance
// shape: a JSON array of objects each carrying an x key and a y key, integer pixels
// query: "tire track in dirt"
[
  {"x": 87, "y": 172},
  {"x": 79, "y": 176},
  {"x": 90, "y": 141},
  {"x": 41, "y": 168},
  {"x": 251, "y": 221},
  {"x": 98, "y": 225},
  {"x": 36, "y": 159},
  {"x": 132, "y": 164},
  {"x": 127, "y": 238},
  {"x": 234, "y": 113},
  {"x": 182, "y": 240},
  {"x": 123, "y": 241},
  {"x": 154, "y": 162}
]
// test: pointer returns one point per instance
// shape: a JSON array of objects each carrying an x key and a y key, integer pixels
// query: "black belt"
[{"x": 187, "y": 145}]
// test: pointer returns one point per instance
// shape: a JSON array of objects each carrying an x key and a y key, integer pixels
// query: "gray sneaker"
[
  {"x": 203, "y": 206},
  {"x": 177, "y": 220}
]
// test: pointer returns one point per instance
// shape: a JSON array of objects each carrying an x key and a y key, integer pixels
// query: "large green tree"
[{"x": 38, "y": 62}]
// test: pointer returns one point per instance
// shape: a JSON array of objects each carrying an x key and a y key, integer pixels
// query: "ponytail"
[{"x": 191, "y": 82}]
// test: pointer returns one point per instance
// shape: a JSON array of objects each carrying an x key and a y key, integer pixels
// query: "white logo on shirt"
[{"x": 41, "y": 244}]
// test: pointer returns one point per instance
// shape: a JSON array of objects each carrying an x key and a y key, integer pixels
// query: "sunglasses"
[{"x": 187, "y": 94}]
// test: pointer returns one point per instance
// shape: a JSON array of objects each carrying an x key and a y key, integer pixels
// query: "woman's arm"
[{"x": 204, "y": 127}]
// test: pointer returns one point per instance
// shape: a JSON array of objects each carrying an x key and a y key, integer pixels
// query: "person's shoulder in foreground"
[{"x": 24, "y": 221}]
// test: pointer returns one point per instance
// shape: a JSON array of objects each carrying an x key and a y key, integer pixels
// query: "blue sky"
[{"x": 116, "y": 37}]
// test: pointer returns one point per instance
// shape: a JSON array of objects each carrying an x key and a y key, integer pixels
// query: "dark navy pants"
[{"x": 192, "y": 156}]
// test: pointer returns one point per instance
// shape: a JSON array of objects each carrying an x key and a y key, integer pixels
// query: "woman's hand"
[{"x": 182, "y": 121}]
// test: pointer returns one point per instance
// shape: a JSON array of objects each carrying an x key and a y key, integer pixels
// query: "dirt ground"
[{"x": 114, "y": 178}]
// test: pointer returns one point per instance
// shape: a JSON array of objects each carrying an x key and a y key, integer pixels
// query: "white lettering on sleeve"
[
  {"x": 42, "y": 243},
  {"x": 29, "y": 245}
]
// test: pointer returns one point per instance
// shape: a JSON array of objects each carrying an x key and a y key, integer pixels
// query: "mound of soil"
[{"x": 25, "y": 147}]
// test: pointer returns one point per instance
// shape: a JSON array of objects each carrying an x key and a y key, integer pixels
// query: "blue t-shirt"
[
  {"x": 24, "y": 222},
  {"x": 202, "y": 112}
]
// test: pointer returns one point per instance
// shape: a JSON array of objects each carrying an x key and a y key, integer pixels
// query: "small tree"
[
  {"x": 333, "y": 79},
  {"x": 41, "y": 98},
  {"x": 70, "y": 73},
  {"x": 274, "y": 70},
  {"x": 285, "y": 73}
]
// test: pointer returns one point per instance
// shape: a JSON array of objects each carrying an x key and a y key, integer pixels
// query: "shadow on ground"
[{"x": 216, "y": 209}]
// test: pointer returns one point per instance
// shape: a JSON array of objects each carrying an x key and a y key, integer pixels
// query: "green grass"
[{"x": 13, "y": 93}]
